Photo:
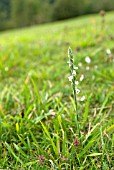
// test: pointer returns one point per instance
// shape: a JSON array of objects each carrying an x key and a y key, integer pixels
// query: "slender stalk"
[{"x": 72, "y": 78}]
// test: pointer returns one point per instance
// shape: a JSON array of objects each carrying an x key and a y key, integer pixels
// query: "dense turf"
[{"x": 37, "y": 118}]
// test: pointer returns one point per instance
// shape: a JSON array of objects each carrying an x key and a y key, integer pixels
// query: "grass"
[{"x": 37, "y": 111}]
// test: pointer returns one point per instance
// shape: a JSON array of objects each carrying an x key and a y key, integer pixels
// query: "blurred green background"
[{"x": 21, "y": 13}]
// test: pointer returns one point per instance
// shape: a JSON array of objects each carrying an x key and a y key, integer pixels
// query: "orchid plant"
[{"x": 73, "y": 79}]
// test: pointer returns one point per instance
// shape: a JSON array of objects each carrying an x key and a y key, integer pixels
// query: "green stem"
[{"x": 75, "y": 101}]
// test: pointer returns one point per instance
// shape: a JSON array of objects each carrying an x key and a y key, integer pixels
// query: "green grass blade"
[
  {"x": 12, "y": 152},
  {"x": 51, "y": 140}
]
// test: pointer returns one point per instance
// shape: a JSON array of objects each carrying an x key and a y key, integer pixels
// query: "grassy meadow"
[{"x": 38, "y": 130}]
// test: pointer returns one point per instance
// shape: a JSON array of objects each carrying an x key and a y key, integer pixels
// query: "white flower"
[
  {"x": 88, "y": 59},
  {"x": 82, "y": 98},
  {"x": 108, "y": 51},
  {"x": 82, "y": 77},
  {"x": 87, "y": 68},
  {"x": 69, "y": 63},
  {"x": 74, "y": 72},
  {"x": 80, "y": 64},
  {"x": 70, "y": 78},
  {"x": 76, "y": 82},
  {"x": 75, "y": 68},
  {"x": 77, "y": 91},
  {"x": 6, "y": 68}
]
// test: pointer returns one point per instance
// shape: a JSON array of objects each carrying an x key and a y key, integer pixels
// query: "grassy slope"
[{"x": 33, "y": 77}]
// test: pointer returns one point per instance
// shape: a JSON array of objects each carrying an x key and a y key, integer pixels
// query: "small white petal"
[
  {"x": 76, "y": 82},
  {"x": 87, "y": 68},
  {"x": 75, "y": 68},
  {"x": 82, "y": 98},
  {"x": 108, "y": 51},
  {"x": 82, "y": 77},
  {"x": 70, "y": 78},
  {"x": 77, "y": 91},
  {"x": 74, "y": 72},
  {"x": 69, "y": 63},
  {"x": 88, "y": 60}
]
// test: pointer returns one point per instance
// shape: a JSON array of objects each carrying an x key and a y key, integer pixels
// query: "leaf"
[
  {"x": 110, "y": 129},
  {"x": 85, "y": 115},
  {"x": 17, "y": 127},
  {"x": 30, "y": 163},
  {"x": 92, "y": 131},
  {"x": 95, "y": 154},
  {"x": 47, "y": 133},
  {"x": 12, "y": 152},
  {"x": 86, "y": 148},
  {"x": 102, "y": 107}
]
